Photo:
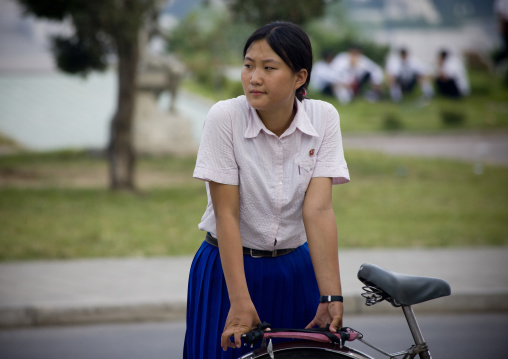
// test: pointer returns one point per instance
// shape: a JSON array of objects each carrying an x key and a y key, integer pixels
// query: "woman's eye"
[
  {"x": 269, "y": 68},
  {"x": 247, "y": 66}
]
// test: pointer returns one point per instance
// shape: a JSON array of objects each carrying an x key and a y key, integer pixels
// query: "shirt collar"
[{"x": 300, "y": 122}]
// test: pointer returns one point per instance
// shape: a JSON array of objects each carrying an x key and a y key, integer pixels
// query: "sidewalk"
[
  {"x": 482, "y": 147},
  {"x": 139, "y": 289}
]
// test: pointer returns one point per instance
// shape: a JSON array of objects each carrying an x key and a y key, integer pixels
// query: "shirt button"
[{"x": 280, "y": 182}]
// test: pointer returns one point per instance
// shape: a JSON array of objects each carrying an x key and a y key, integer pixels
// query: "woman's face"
[{"x": 269, "y": 84}]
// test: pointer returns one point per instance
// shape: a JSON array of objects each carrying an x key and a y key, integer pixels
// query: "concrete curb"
[
  {"x": 50, "y": 316},
  {"x": 353, "y": 305},
  {"x": 71, "y": 292}
]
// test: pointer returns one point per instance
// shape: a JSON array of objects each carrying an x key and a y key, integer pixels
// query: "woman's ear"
[{"x": 301, "y": 78}]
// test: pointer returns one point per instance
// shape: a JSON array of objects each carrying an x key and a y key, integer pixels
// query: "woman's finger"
[
  {"x": 335, "y": 324},
  {"x": 225, "y": 341},
  {"x": 311, "y": 324},
  {"x": 238, "y": 339}
]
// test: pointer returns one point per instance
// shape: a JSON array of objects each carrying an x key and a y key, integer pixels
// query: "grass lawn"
[
  {"x": 401, "y": 201},
  {"x": 57, "y": 206}
]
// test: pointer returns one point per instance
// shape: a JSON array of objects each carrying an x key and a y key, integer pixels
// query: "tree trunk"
[{"x": 121, "y": 151}]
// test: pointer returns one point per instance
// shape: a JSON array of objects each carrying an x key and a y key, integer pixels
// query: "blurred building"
[{"x": 426, "y": 26}]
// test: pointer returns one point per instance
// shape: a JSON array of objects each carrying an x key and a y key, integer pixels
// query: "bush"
[
  {"x": 392, "y": 122},
  {"x": 454, "y": 117},
  {"x": 233, "y": 89}
]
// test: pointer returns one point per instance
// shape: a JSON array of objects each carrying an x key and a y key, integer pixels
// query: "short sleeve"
[
  {"x": 216, "y": 156},
  {"x": 330, "y": 158}
]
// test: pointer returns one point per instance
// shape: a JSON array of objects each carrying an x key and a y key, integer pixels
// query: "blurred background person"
[
  {"x": 403, "y": 72},
  {"x": 324, "y": 78},
  {"x": 451, "y": 77},
  {"x": 355, "y": 72},
  {"x": 501, "y": 11}
]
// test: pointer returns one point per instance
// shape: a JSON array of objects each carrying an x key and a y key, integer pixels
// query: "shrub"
[
  {"x": 392, "y": 122},
  {"x": 453, "y": 117}
]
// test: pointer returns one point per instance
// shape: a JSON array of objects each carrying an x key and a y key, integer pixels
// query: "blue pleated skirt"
[{"x": 283, "y": 289}]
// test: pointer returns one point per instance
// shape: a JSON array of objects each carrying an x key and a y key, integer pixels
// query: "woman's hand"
[
  {"x": 328, "y": 313},
  {"x": 241, "y": 319}
]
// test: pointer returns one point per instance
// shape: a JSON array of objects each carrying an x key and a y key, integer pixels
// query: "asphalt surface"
[{"x": 448, "y": 336}]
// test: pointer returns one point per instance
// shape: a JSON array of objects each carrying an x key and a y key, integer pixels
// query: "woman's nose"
[{"x": 255, "y": 78}]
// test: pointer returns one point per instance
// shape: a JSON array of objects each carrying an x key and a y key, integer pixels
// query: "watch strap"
[{"x": 331, "y": 298}]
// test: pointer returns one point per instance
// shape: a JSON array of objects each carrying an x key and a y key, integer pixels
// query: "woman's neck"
[{"x": 278, "y": 122}]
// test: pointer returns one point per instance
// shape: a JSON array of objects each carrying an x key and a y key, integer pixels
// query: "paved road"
[{"x": 464, "y": 336}]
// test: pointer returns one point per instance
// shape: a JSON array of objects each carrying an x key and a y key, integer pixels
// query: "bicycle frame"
[
  {"x": 420, "y": 348},
  {"x": 380, "y": 284}
]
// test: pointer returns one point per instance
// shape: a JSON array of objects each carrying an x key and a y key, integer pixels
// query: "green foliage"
[
  {"x": 233, "y": 89},
  {"x": 53, "y": 10},
  {"x": 392, "y": 122},
  {"x": 453, "y": 117},
  {"x": 212, "y": 37},
  {"x": 208, "y": 40},
  {"x": 334, "y": 32},
  {"x": 100, "y": 28},
  {"x": 78, "y": 56},
  {"x": 259, "y": 12}
]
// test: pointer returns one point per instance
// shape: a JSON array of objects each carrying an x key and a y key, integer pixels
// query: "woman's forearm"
[
  {"x": 321, "y": 230},
  {"x": 225, "y": 200},
  {"x": 322, "y": 239},
  {"x": 230, "y": 248}
]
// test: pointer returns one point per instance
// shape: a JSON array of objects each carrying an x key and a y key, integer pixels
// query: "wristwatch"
[{"x": 331, "y": 298}]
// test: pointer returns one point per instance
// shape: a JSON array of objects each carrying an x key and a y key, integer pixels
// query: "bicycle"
[{"x": 400, "y": 290}]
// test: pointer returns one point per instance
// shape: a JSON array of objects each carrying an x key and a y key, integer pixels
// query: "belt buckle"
[{"x": 252, "y": 254}]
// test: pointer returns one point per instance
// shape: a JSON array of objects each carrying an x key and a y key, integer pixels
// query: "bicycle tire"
[
  {"x": 307, "y": 350},
  {"x": 297, "y": 353}
]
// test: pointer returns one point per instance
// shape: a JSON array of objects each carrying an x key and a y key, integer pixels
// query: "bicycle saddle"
[{"x": 402, "y": 289}]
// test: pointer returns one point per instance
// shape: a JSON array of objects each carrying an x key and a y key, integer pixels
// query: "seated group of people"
[{"x": 350, "y": 73}]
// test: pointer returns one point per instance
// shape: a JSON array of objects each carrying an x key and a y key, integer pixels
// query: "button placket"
[{"x": 279, "y": 188}]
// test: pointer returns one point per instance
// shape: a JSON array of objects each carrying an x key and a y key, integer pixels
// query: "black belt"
[{"x": 250, "y": 251}]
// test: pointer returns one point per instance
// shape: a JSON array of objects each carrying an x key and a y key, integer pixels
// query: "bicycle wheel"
[
  {"x": 305, "y": 354},
  {"x": 307, "y": 350}
]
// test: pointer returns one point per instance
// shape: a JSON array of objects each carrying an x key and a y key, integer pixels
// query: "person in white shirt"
[
  {"x": 324, "y": 78},
  {"x": 269, "y": 159},
  {"x": 501, "y": 11},
  {"x": 355, "y": 71},
  {"x": 403, "y": 72},
  {"x": 451, "y": 76}
]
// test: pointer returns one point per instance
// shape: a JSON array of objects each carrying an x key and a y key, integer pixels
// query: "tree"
[
  {"x": 260, "y": 12},
  {"x": 102, "y": 28}
]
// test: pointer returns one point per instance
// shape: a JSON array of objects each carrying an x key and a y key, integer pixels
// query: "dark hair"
[
  {"x": 291, "y": 43},
  {"x": 443, "y": 54}
]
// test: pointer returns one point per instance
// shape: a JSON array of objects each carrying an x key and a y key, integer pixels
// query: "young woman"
[{"x": 269, "y": 159}]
